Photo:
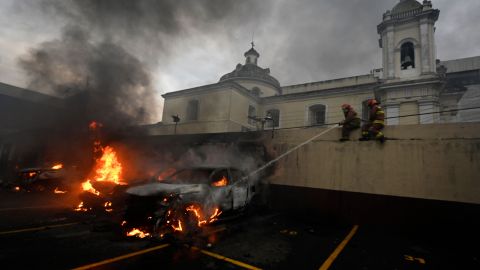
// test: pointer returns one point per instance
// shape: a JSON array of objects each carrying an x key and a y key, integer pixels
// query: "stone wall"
[{"x": 436, "y": 161}]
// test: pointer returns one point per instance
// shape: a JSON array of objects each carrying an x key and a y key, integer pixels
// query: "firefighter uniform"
[
  {"x": 375, "y": 124},
  {"x": 351, "y": 122}
]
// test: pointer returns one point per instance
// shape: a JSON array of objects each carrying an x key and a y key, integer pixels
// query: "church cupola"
[{"x": 251, "y": 56}]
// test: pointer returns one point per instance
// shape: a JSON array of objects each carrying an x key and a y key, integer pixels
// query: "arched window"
[
  {"x": 317, "y": 114},
  {"x": 273, "y": 114},
  {"x": 252, "y": 113},
  {"x": 192, "y": 110},
  {"x": 407, "y": 55}
]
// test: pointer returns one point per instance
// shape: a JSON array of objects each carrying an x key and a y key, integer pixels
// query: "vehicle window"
[
  {"x": 236, "y": 174},
  {"x": 190, "y": 176},
  {"x": 219, "y": 178}
]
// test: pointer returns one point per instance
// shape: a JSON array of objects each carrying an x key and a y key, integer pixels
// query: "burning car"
[
  {"x": 187, "y": 200},
  {"x": 42, "y": 178}
]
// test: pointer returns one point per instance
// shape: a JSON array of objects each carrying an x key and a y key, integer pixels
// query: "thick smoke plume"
[
  {"x": 110, "y": 49},
  {"x": 112, "y": 85}
]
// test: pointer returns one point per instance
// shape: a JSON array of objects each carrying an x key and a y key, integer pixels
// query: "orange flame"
[
  {"x": 221, "y": 183},
  {"x": 215, "y": 215},
  {"x": 94, "y": 125},
  {"x": 137, "y": 233},
  {"x": 179, "y": 227},
  {"x": 87, "y": 186},
  {"x": 57, "y": 166},
  {"x": 198, "y": 214},
  {"x": 32, "y": 174},
  {"x": 81, "y": 208},
  {"x": 17, "y": 188},
  {"x": 108, "y": 206},
  {"x": 108, "y": 168},
  {"x": 57, "y": 191}
]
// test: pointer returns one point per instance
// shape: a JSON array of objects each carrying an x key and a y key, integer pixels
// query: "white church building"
[{"x": 411, "y": 82}]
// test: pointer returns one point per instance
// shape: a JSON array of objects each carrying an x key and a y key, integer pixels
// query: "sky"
[{"x": 183, "y": 44}]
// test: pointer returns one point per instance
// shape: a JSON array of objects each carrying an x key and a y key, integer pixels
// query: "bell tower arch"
[
  {"x": 407, "y": 40},
  {"x": 410, "y": 84}
]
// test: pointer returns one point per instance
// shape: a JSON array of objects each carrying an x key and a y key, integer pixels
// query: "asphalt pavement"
[{"x": 41, "y": 231}]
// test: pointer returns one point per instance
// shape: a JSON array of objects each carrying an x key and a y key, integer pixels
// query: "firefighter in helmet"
[
  {"x": 374, "y": 126},
  {"x": 351, "y": 122}
]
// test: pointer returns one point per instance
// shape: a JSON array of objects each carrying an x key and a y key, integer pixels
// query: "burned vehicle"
[
  {"x": 42, "y": 178},
  {"x": 187, "y": 200}
]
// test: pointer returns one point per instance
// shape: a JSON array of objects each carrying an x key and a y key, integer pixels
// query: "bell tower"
[
  {"x": 407, "y": 40},
  {"x": 410, "y": 84}
]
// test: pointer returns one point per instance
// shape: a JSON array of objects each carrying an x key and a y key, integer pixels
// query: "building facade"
[{"x": 413, "y": 86}]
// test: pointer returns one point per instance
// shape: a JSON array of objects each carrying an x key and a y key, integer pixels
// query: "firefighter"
[
  {"x": 351, "y": 122},
  {"x": 374, "y": 126}
]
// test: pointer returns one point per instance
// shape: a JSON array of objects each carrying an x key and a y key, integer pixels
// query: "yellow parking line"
[
  {"x": 339, "y": 249},
  {"x": 123, "y": 257},
  {"x": 38, "y": 228},
  {"x": 223, "y": 258}
]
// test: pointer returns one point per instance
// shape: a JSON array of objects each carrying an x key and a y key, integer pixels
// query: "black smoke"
[
  {"x": 109, "y": 84},
  {"x": 108, "y": 51}
]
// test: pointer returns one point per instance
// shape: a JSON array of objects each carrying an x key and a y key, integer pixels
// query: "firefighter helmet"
[{"x": 372, "y": 102}]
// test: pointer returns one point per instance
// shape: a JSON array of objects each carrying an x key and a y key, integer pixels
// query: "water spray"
[{"x": 271, "y": 162}]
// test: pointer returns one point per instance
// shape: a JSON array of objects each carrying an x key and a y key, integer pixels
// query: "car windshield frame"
[{"x": 195, "y": 176}]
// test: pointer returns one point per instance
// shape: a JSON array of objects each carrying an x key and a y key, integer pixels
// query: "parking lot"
[{"x": 41, "y": 231}]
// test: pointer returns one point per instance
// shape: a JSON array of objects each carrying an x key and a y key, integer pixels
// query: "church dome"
[
  {"x": 251, "y": 71},
  {"x": 406, "y": 5},
  {"x": 252, "y": 51}
]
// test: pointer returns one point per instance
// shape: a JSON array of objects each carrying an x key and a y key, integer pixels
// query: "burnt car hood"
[{"x": 164, "y": 188}]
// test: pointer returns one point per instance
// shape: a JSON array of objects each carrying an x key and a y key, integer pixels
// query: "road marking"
[
  {"x": 223, "y": 258},
  {"x": 411, "y": 258},
  {"x": 123, "y": 257},
  {"x": 38, "y": 228},
  {"x": 339, "y": 249},
  {"x": 32, "y": 207}
]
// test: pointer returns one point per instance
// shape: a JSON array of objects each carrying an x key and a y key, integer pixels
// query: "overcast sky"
[{"x": 190, "y": 43}]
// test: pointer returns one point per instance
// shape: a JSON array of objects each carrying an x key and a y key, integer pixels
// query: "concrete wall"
[
  {"x": 437, "y": 161},
  {"x": 239, "y": 105},
  {"x": 209, "y": 108}
]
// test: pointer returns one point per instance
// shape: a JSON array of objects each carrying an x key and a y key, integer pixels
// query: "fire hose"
[{"x": 273, "y": 161}]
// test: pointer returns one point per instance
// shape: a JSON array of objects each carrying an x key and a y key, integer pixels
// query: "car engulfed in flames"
[
  {"x": 43, "y": 178},
  {"x": 186, "y": 201}
]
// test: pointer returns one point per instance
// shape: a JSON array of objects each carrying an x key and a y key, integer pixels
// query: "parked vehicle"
[{"x": 188, "y": 199}]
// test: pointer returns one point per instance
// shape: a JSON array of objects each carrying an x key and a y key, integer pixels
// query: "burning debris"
[
  {"x": 47, "y": 177},
  {"x": 57, "y": 166},
  {"x": 137, "y": 233},
  {"x": 106, "y": 176},
  {"x": 82, "y": 208},
  {"x": 107, "y": 169},
  {"x": 58, "y": 191},
  {"x": 220, "y": 183}
]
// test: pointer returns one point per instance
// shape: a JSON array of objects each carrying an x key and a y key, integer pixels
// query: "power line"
[{"x": 391, "y": 117}]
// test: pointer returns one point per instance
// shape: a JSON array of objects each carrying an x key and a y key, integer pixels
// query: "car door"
[{"x": 221, "y": 190}]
